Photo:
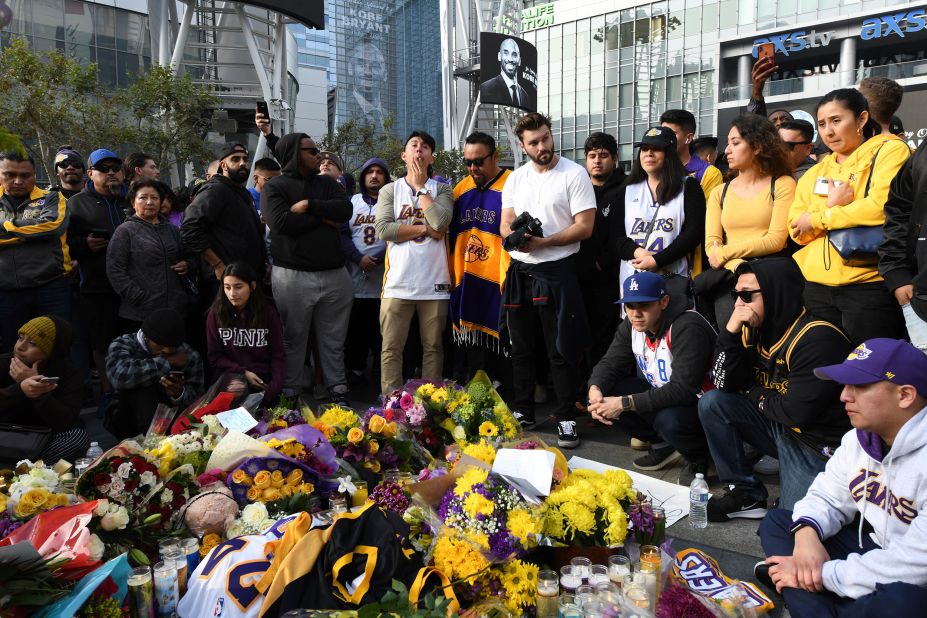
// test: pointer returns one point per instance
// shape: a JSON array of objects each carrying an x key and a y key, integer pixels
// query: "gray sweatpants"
[{"x": 320, "y": 300}]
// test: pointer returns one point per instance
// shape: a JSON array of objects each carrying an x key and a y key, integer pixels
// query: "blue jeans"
[
  {"x": 729, "y": 420},
  {"x": 21, "y": 305},
  {"x": 917, "y": 328},
  {"x": 893, "y": 599}
]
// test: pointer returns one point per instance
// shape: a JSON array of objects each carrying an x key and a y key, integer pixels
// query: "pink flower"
[{"x": 406, "y": 401}]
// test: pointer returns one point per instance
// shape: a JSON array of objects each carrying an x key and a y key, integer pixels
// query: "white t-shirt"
[
  {"x": 554, "y": 197},
  {"x": 364, "y": 235},
  {"x": 415, "y": 269}
]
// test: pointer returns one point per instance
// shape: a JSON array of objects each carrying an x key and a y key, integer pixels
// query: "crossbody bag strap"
[{"x": 871, "y": 170}]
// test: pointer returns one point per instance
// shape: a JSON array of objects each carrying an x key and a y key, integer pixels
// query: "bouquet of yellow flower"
[
  {"x": 589, "y": 509},
  {"x": 34, "y": 488}
]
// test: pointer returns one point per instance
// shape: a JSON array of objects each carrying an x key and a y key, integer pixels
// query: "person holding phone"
[
  {"x": 244, "y": 333},
  {"x": 39, "y": 387}
]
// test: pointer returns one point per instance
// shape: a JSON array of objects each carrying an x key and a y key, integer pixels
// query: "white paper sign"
[
  {"x": 529, "y": 471},
  {"x": 238, "y": 419},
  {"x": 673, "y": 498}
]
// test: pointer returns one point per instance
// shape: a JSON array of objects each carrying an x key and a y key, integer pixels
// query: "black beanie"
[{"x": 165, "y": 327}]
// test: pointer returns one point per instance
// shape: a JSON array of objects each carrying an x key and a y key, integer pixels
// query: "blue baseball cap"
[
  {"x": 100, "y": 154},
  {"x": 876, "y": 360},
  {"x": 642, "y": 287}
]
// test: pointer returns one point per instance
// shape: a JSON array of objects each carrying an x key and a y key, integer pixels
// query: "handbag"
[
  {"x": 18, "y": 442},
  {"x": 858, "y": 246}
]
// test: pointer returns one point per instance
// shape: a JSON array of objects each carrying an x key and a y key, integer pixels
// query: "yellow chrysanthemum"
[
  {"x": 524, "y": 526},
  {"x": 577, "y": 518},
  {"x": 425, "y": 390},
  {"x": 439, "y": 397},
  {"x": 553, "y": 523},
  {"x": 339, "y": 417},
  {"x": 327, "y": 430},
  {"x": 468, "y": 479},
  {"x": 482, "y": 451},
  {"x": 457, "y": 558},
  {"x": 488, "y": 429},
  {"x": 477, "y": 504}
]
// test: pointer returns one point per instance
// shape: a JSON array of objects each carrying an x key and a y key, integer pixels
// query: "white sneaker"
[{"x": 766, "y": 465}]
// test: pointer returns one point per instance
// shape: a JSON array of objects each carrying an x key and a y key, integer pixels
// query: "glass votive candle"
[
  {"x": 546, "y": 599},
  {"x": 608, "y": 592},
  {"x": 338, "y": 504},
  {"x": 80, "y": 465},
  {"x": 634, "y": 589},
  {"x": 585, "y": 593},
  {"x": 592, "y": 609},
  {"x": 180, "y": 563},
  {"x": 405, "y": 479},
  {"x": 140, "y": 593},
  {"x": 191, "y": 547},
  {"x": 359, "y": 497},
  {"x": 167, "y": 591},
  {"x": 569, "y": 579},
  {"x": 167, "y": 544},
  {"x": 618, "y": 568},
  {"x": 650, "y": 559},
  {"x": 581, "y": 566},
  {"x": 598, "y": 573},
  {"x": 570, "y": 610},
  {"x": 392, "y": 475}
]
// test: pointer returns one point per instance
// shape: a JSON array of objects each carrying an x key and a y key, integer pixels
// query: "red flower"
[
  {"x": 131, "y": 484},
  {"x": 389, "y": 414},
  {"x": 108, "y": 588},
  {"x": 101, "y": 479},
  {"x": 178, "y": 501}
]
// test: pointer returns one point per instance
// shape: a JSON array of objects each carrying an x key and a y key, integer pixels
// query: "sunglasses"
[
  {"x": 106, "y": 169},
  {"x": 312, "y": 151},
  {"x": 477, "y": 161},
  {"x": 744, "y": 295},
  {"x": 792, "y": 145},
  {"x": 69, "y": 163}
]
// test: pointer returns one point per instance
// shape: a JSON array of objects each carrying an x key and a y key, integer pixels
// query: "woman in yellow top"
[
  {"x": 748, "y": 216},
  {"x": 846, "y": 189}
]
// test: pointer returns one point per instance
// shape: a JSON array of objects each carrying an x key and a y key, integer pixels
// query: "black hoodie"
[
  {"x": 305, "y": 241},
  {"x": 691, "y": 341},
  {"x": 59, "y": 409},
  {"x": 774, "y": 365},
  {"x": 602, "y": 246}
]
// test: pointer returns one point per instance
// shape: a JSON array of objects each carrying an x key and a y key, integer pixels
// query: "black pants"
[
  {"x": 363, "y": 334},
  {"x": 522, "y": 325},
  {"x": 603, "y": 316},
  {"x": 678, "y": 425},
  {"x": 135, "y": 409},
  {"x": 863, "y": 310}
]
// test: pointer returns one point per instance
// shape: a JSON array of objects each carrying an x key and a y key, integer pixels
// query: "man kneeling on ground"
[
  {"x": 856, "y": 544},
  {"x": 673, "y": 348}
]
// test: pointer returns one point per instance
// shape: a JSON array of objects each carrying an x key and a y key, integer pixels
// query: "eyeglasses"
[
  {"x": 744, "y": 295},
  {"x": 106, "y": 169},
  {"x": 792, "y": 145},
  {"x": 312, "y": 151},
  {"x": 477, "y": 161}
]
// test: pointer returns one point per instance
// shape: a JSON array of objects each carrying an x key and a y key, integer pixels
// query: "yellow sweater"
[
  {"x": 818, "y": 261},
  {"x": 747, "y": 227}
]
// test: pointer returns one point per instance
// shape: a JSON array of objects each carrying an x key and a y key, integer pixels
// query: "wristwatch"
[
  {"x": 422, "y": 191},
  {"x": 626, "y": 403}
]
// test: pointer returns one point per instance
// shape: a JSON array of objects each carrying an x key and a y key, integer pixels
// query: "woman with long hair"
[
  {"x": 664, "y": 210},
  {"x": 747, "y": 217},
  {"x": 847, "y": 189},
  {"x": 244, "y": 333}
]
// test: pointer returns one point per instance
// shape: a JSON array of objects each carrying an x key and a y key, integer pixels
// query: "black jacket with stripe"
[{"x": 33, "y": 241}]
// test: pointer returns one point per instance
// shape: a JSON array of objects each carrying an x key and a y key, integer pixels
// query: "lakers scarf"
[{"x": 479, "y": 262}]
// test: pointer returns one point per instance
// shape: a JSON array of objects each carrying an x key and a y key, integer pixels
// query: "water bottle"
[
  {"x": 94, "y": 451},
  {"x": 698, "y": 502}
]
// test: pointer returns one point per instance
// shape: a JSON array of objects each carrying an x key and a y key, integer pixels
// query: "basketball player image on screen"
[
  {"x": 504, "y": 89},
  {"x": 367, "y": 69}
]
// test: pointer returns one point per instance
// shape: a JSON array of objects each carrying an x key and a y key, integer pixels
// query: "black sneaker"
[
  {"x": 688, "y": 472},
  {"x": 526, "y": 422},
  {"x": 340, "y": 397},
  {"x": 566, "y": 434},
  {"x": 657, "y": 458},
  {"x": 761, "y": 573},
  {"x": 735, "y": 503}
]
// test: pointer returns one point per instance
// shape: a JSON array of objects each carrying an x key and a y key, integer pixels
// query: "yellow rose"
[
  {"x": 306, "y": 488},
  {"x": 376, "y": 424},
  {"x": 209, "y": 541},
  {"x": 240, "y": 477},
  {"x": 2, "y": 502},
  {"x": 276, "y": 479},
  {"x": 355, "y": 435},
  {"x": 286, "y": 491},
  {"x": 262, "y": 479},
  {"x": 271, "y": 494},
  {"x": 374, "y": 466},
  {"x": 390, "y": 430},
  {"x": 254, "y": 494},
  {"x": 63, "y": 499},
  {"x": 24, "y": 509},
  {"x": 36, "y": 497},
  {"x": 295, "y": 477},
  {"x": 374, "y": 447}
]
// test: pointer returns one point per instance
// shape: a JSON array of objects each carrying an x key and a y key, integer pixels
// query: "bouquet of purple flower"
[{"x": 648, "y": 522}]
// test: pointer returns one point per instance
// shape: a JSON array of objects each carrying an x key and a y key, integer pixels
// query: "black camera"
[{"x": 523, "y": 225}]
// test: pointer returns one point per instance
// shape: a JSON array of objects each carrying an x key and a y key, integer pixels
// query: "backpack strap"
[
  {"x": 871, "y": 170},
  {"x": 724, "y": 193}
]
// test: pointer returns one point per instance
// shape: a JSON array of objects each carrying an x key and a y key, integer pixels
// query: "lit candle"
[
  {"x": 140, "y": 593},
  {"x": 547, "y": 594}
]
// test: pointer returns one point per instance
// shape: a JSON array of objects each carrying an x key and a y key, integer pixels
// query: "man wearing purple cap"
[
  {"x": 819, "y": 559},
  {"x": 71, "y": 172}
]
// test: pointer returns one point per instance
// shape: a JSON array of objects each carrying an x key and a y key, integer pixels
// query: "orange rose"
[
  {"x": 262, "y": 479},
  {"x": 271, "y": 494},
  {"x": 295, "y": 477},
  {"x": 374, "y": 447},
  {"x": 276, "y": 479},
  {"x": 240, "y": 477},
  {"x": 355, "y": 435},
  {"x": 376, "y": 423},
  {"x": 254, "y": 494}
]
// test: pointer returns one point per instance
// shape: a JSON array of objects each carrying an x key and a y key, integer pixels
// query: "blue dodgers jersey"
[{"x": 223, "y": 585}]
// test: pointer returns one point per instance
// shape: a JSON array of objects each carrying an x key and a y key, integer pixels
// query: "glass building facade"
[{"x": 616, "y": 66}]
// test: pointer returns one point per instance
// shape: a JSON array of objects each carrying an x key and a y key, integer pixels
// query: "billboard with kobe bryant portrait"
[{"x": 508, "y": 71}]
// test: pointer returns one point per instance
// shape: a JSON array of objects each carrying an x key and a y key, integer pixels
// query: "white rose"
[
  {"x": 236, "y": 528},
  {"x": 254, "y": 514},
  {"x": 96, "y": 548},
  {"x": 167, "y": 496},
  {"x": 117, "y": 487},
  {"x": 102, "y": 508},
  {"x": 124, "y": 470},
  {"x": 120, "y": 517},
  {"x": 148, "y": 478}
]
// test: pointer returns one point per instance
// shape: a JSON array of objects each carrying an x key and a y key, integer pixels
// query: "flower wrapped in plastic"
[
  {"x": 33, "y": 488},
  {"x": 228, "y": 392},
  {"x": 270, "y": 479},
  {"x": 305, "y": 444},
  {"x": 287, "y": 413},
  {"x": 124, "y": 475}
]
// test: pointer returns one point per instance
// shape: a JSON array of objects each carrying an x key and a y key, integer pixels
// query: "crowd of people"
[{"x": 706, "y": 309}]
